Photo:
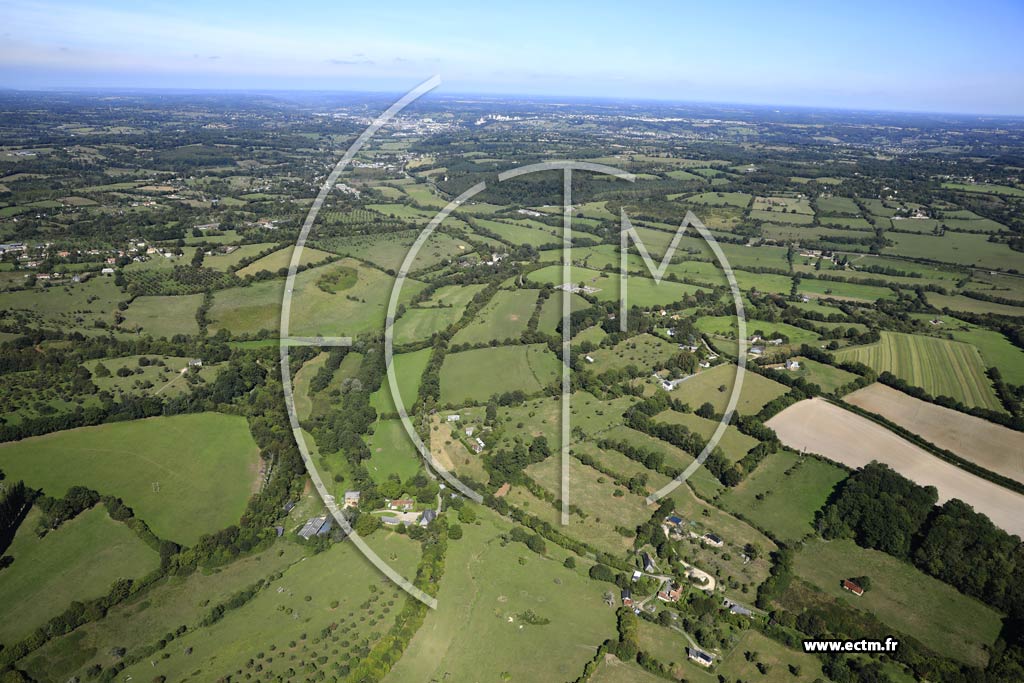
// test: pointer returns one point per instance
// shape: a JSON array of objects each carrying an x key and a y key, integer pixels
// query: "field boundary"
[{"x": 948, "y": 456}]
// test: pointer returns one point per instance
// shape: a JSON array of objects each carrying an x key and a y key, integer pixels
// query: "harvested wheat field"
[
  {"x": 985, "y": 443},
  {"x": 821, "y": 427}
]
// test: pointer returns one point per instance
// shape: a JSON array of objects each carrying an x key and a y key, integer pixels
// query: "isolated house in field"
[
  {"x": 636, "y": 575},
  {"x": 427, "y": 517},
  {"x": 478, "y": 445},
  {"x": 454, "y": 418},
  {"x": 671, "y": 384},
  {"x": 351, "y": 499},
  {"x": 196, "y": 363},
  {"x": 792, "y": 364},
  {"x": 757, "y": 350},
  {"x": 713, "y": 540},
  {"x": 627, "y": 597},
  {"x": 589, "y": 359},
  {"x": 699, "y": 656},
  {"x": 853, "y": 587}
]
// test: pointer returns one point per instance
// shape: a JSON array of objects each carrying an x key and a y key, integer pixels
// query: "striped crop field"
[{"x": 939, "y": 366}]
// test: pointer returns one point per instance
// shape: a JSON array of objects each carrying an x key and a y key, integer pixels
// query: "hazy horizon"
[
  {"x": 442, "y": 96},
  {"x": 916, "y": 58}
]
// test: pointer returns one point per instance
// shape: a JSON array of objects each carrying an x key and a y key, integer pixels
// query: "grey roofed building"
[
  {"x": 736, "y": 608},
  {"x": 313, "y": 526},
  {"x": 393, "y": 521},
  {"x": 648, "y": 562},
  {"x": 699, "y": 656},
  {"x": 427, "y": 517}
]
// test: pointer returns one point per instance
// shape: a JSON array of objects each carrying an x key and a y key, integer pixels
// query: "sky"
[{"x": 937, "y": 56}]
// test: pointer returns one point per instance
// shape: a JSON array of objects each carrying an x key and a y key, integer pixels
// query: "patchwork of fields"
[
  {"x": 821, "y": 427},
  {"x": 156, "y": 234}
]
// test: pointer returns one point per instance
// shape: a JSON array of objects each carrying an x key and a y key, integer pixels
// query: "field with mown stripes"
[{"x": 939, "y": 366}]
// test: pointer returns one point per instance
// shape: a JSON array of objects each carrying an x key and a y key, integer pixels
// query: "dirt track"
[
  {"x": 992, "y": 446},
  {"x": 818, "y": 426}
]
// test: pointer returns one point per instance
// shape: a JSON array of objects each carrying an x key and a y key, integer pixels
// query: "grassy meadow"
[
  {"x": 79, "y": 560},
  {"x": 903, "y": 597},
  {"x": 478, "y": 374},
  {"x": 184, "y": 475}
]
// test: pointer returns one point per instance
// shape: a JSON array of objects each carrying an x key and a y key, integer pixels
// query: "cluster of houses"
[
  {"x": 31, "y": 257},
  {"x": 758, "y": 344},
  {"x": 406, "y": 514},
  {"x": 672, "y": 590},
  {"x": 675, "y": 528},
  {"x": 817, "y": 254},
  {"x": 402, "y": 509},
  {"x": 475, "y": 442},
  {"x": 574, "y": 288}
]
